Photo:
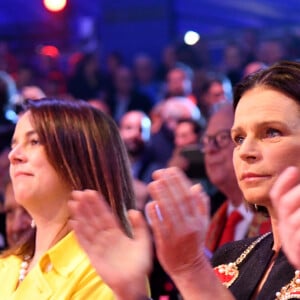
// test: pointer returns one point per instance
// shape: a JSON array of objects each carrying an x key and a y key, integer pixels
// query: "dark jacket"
[{"x": 253, "y": 268}]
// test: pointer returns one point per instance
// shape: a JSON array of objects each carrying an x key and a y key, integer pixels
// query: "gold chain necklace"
[
  {"x": 228, "y": 273},
  {"x": 291, "y": 290}
]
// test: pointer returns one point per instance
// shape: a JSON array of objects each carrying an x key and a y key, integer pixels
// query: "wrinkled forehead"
[{"x": 260, "y": 105}]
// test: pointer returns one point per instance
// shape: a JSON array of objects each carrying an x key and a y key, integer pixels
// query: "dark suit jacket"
[
  {"x": 137, "y": 101},
  {"x": 252, "y": 269}
]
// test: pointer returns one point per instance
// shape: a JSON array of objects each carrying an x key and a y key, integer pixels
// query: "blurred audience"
[
  {"x": 186, "y": 154},
  {"x": 179, "y": 83},
  {"x": 87, "y": 81},
  {"x": 253, "y": 67},
  {"x": 124, "y": 97},
  {"x": 145, "y": 77},
  {"x": 233, "y": 62},
  {"x": 135, "y": 131},
  {"x": 214, "y": 90},
  {"x": 17, "y": 220},
  {"x": 161, "y": 144},
  {"x": 270, "y": 51}
]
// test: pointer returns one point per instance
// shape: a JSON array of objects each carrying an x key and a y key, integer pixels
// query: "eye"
[
  {"x": 272, "y": 132},
  {"x": 34, "y": 141},
  {"x": 238, "y": 139}
]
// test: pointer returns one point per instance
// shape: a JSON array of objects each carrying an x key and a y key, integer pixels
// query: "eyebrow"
[{"x": 261, "y": 124}]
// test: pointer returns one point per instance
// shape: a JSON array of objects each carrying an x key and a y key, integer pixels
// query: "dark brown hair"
[
  {"x": 283, "y": 76},
  {"x": 84, "y": 146}
]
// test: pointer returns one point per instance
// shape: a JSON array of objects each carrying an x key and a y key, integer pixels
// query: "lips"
[
  {"x": 253, "y": 176},
  {"x": 21, "y": 173}
]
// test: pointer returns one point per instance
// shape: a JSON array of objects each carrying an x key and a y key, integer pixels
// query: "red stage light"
[
  {"x": 49, "y": 50},
  {"x": 55, "y": 5}
]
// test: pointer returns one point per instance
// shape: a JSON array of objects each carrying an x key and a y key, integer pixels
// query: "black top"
[{"x": 253, "y": 267}]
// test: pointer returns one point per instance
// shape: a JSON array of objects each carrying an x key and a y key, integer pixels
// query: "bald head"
[{"x": 135, "y": 129}]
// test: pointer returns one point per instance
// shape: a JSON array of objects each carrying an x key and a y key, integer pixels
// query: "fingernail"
[{"x": 158, "y": 213}]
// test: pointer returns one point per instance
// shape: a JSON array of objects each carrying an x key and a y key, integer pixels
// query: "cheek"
[{"x": 283, "y": 157}]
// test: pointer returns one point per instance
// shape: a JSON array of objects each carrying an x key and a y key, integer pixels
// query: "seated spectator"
[
  {"x": 187, "y": 154},
  {"x": 135, "y": 131},
  {"x": 214, "y": 90},
  {"x": 87, "y": 80},
  {"x": 179, "y": 83},
  {"x": 124, "y": 97},
  {"x": 161, "y": 144},
  {"x": 17, "y": 220},
  {"x": 145, "y": 77},
  {"x": 253, "y": 67}
]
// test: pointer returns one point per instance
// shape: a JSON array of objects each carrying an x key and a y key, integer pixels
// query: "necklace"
[
  {"x": 228, "y": 273},
  {"x": 24, "y": 267},
  {"x": 291, "y": 290},
  {"x": 27, "y": 258}
]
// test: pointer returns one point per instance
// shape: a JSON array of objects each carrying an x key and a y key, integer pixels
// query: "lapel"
[{"x": 216, "y": 227}]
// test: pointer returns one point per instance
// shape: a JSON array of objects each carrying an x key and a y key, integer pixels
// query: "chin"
[
  {"x": 22, "y": 198},
  {"x": 257, "y": 196}
]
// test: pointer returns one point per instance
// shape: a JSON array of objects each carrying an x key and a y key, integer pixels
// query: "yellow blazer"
[{"x": 64, "y": 272}]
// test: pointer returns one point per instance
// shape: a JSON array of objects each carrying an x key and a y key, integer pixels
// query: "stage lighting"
[
  {"x": 55, "y": 5},
  {"x": 191, "y": 37}
]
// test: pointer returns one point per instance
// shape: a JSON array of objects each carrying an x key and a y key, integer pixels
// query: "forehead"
[
  {"x": 222, "y": 119},
  {"x": 184, "y": 126},
  {"x": 263, "y": 104},
  {"x": 24, "y": 123},
  {"x": 132, "y": 119},
  {"x": 177, "y": 73}
]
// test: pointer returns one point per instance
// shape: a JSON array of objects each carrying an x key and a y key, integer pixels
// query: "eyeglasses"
[{"x": 220, "y": 140}]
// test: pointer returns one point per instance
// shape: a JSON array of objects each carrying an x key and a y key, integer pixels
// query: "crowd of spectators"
[{"x": 147, "y": 100}]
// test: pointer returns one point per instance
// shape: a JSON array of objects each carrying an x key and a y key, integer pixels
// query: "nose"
[
  {"x": 16, "y": 155},
  {"x": 248, "y": 150}
]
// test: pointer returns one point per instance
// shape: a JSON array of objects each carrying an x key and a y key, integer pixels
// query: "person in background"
[
  {"x": 186, "y": 154},
  {"x": 144, "y": 71},
  {"x": 59, "y": 150},
  {"x": 232, "y": 219},
  {"x": 253, "y": 67},
  {"x": 233, "y": 62},
  {"x": 214, "y": 90},
  {"x": 124, "y": 97},
  {"x": 135, "y": 130},
  {"x": 179, "y": 83},
  {"x": 161, "y": 144},
  {"x": 17, "y": 220},
  {"x": 87, "y": 79}
]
